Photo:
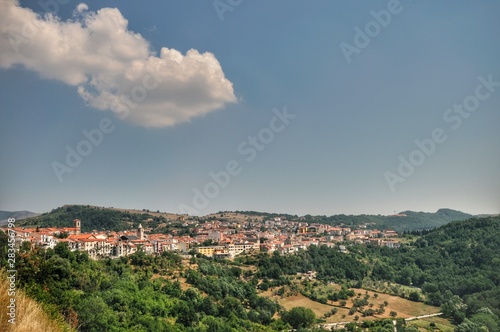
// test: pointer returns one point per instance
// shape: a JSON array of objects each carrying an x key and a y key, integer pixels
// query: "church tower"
[
  {"x": 77, "y": 224},
  {"x": 140, "y": 232}
]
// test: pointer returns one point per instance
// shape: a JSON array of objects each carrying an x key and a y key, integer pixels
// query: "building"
[
  {"x": 209, "y": 250},
  {"x": 77, "y": 224},
  {"x": 140, "y": 232}
]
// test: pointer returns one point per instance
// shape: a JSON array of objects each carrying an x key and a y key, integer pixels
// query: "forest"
[
  {"x": 100, "y": 218},
  {"x": 455, "y": 267},
  {"x": 96, "y": 218}
]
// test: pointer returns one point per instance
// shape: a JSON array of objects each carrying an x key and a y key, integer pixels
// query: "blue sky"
[{"x": 339, "y": 154}]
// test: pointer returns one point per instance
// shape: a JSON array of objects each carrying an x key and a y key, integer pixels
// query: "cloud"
[
  {"x": 112, "y": 67},
  {"x": 82, "y": 7}
]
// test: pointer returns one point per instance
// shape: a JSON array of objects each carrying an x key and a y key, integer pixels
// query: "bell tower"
[
  {"x": 77, "y": 224},
  {"x": 140, "y": 232}
]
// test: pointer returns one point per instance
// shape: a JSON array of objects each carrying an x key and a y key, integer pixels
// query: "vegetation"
[
  {"x": 30, "y": 315},
  {"x": 411, "y": 221},
  {"x": 299, "y": 317},
  {"x": 455, "y": 267},
  {"x": 139, "y": 293},
  {"x": 18, "y": 215},
  {"x": 95, "y": 218},
  {"x": 99, "y": 218},
  {"x": 330, "y": 264}
]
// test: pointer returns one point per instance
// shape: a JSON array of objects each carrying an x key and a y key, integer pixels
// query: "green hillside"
[
  {"x": 456, "y": 265},
  {"x": 410, "y": 221},
  {"x": 4, "y": 215},
  {"x": 99, "y": 218},
  {"x": 93, "y": 218},
  {"x": 425, "y": 220}
]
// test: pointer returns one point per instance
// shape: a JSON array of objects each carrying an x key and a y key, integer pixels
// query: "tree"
[
  {"x": 393, "y": 313},
  {"x": 25, "y": 247},
  {"x": 299, "y": 317},
  {"x": 485, "y": 317},
  {"x": 469, "y": 326},
  {"x": 414, "y": 296},
  {"x": 454, "y": 308},
  {"x": 94, "y": 315}
]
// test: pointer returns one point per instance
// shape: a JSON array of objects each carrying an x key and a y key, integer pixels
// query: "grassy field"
[
  {"x": 441, "y": 324},
  {"x": 404, "y": 308},
  {"x": 29, "y": 315}
]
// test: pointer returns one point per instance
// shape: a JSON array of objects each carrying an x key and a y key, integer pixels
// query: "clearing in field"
[{"x": 403, "y": 307}]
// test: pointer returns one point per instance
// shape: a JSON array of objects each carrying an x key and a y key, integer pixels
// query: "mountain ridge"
[{"x": 102, "y": 218}]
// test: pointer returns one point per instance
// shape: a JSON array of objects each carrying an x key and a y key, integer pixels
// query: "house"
[{"x": 208, "y": 250}]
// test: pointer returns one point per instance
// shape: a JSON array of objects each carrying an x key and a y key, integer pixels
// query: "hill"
[
  {"x": 97, "y": 218},
  {"x": 456, "y": 265},
  {"x": 425, "y": 220},
  {"x": 402, "y": 221},
  {"x": 101, "y": 218},
  {"x": 4, "y": 215},
  {"x": 29, "y": 314}
]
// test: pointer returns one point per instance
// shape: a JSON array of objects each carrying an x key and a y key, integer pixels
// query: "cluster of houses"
[{"x": 226, "y": 238}]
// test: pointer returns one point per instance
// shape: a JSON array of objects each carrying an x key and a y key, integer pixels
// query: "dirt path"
[{"x": 424, "y": 316}]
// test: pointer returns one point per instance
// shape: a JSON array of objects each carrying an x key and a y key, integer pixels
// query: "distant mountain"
[
  {"x": 18, "y": 215},
  {"x": 426, "y": 220},
  {"x": 402, "y": 221},
  {"x": 441, "y": 213},
  {"x": 100, "y": 218}
]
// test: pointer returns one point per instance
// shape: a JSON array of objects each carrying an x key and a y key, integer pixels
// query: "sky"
[{"x": 324, "y": 107}]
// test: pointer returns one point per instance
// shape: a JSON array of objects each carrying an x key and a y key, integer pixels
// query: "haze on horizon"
[{"x": 322, "y": 109}]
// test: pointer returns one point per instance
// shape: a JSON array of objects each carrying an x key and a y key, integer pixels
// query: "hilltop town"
[{"x": 222, "y": 238}]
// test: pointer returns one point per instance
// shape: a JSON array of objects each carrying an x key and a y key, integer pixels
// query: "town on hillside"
[{"x": 223, "y": 238}]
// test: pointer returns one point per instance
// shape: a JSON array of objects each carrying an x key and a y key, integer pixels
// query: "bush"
[{"x": 299, "y": 317}]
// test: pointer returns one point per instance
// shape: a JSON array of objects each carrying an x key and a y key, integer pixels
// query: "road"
[{"x": 424, "y": 316}]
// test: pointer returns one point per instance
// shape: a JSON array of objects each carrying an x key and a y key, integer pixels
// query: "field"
[
  {"x": 440, "y": 323},
  {"x": 29, "y": 315},
  {"x": 403, "y": 307}
]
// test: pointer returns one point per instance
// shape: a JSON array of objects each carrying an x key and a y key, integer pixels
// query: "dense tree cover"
[
  {"x": 93, "y": 218},
  {"x": 108, "y": 219},
  {"x": 382, "y": 325},
  {"x": 299, "y": 317},
  {"x": 123, "y": 295},
  {"x": 224, "y": 284},
  {"x": 412, "y": 221},
  {"x": 457, "y": 266},
  {"x": 329, "y": 263}
]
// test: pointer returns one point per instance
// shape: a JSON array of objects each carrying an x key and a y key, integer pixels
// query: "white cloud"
[
  {"x": 113, "y": 68},
  {"x": 82, "y": 7}
]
